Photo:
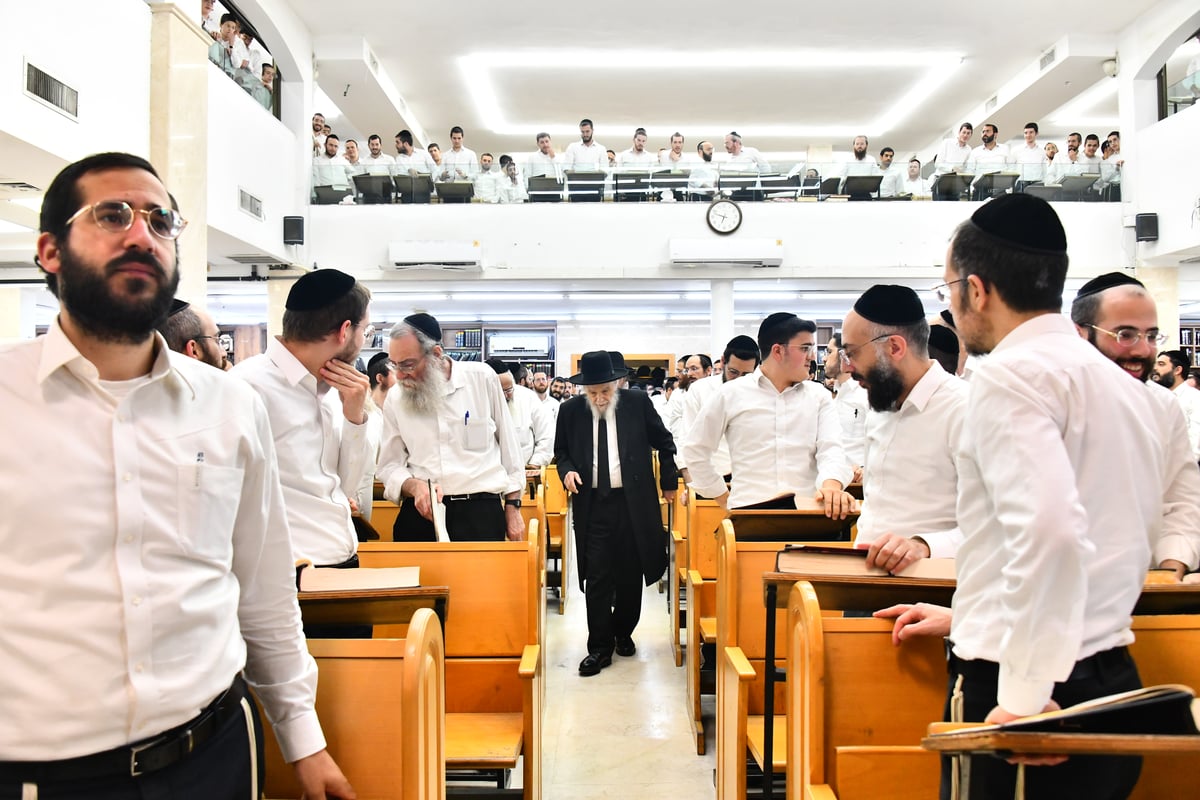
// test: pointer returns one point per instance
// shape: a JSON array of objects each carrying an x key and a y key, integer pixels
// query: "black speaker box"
[
  {"x": 1145, "y": 226},
  {"x": 293, "y": 230}
]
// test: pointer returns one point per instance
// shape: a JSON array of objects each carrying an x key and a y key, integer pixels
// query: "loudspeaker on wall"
[
  {"x": 1145, "y": 227},
  {"x": 293, "y": 230}
]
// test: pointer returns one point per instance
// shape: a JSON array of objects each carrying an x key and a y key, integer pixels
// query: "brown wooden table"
[{"x": 373, "y": 606}]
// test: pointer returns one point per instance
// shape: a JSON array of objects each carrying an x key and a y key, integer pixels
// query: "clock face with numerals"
[{"x": 724, "y": 216}]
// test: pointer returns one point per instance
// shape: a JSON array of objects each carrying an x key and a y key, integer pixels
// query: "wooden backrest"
[
  {"x": 494, "y": 608},
  {"x": 383, "y": 518},
  {"x": 703, "y": 523},
  {"x": 849, "y": 685},
  {"x": 535, "y": 508},
  {"x": 556, "y": 495},
  {"x": 373, "y": 694},
  {"x": 1167, "y": 650}
]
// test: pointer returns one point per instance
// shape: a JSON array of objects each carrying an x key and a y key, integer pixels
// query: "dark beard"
[
  {"x": 109, "y": 317},
  {"x": 884, "y": 386},
  {"x": 1149, "y": 373}
]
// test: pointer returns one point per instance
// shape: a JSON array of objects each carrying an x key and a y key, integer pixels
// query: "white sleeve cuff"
[{"x": 1022, "y": 696}]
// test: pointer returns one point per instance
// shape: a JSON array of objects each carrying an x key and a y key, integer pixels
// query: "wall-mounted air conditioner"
[
  {"x": 732, "y": 252},
  {"x": 430, "y": 254}
]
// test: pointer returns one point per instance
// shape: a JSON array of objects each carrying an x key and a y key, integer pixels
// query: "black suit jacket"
[{"x": 639, "y": 429}]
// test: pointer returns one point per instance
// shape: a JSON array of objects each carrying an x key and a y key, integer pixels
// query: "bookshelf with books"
[{"x": 1189, "y": 339}]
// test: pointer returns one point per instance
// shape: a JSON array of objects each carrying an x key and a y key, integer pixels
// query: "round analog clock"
[{"x": 724, "y": 216}]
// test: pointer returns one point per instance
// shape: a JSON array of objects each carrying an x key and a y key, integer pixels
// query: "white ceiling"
[{"x": 785, "y": 75}]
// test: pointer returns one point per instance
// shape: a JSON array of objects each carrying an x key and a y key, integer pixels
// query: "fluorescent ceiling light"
[
  {"x": 637, "y": 316},
  {"x": 409, "y": 298},
  {"x": 513, "y": 296},
  {"x": 602, "y": 296},
  {"x": 934, "y": 70},
  {"x": 783, "y": 295},
  {"x": 831, "y": 295}
]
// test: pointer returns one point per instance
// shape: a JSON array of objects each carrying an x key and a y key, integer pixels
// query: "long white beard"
[
  {"x": 610, "y": 412},
  {"x": 424, "y": 396}
]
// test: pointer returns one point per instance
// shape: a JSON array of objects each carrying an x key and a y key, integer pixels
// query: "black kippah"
[
  {"x": 375, "y": 359},
  {"x": 943, "y": 338},
  {"x": 178, "y": 305},
  {"x": 1107, "y": 281},
  {"x": 319, "y": 289},
  {"x": 948, "y": 318},
  {"x": 889, "y": 304},
  {"x": 1023, "y": 221},
  {"x": 426, "y": 324},
  {"x": 773, "y": 321}
]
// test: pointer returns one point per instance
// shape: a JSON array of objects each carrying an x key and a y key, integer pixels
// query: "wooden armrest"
[
  {"x": 677, "y": 536},
  {"x": 694, "y": 577},
  {"x": 738, "y": 662},
  {"x": 819, "y": 791},
  {"x": 530, "y": 657},
  {"x": 708, "y": 629}
]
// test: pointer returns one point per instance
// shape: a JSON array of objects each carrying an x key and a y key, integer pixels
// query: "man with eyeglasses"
[
  {"x": 134, "y": 606},
  {"x": 1059, "y": 515},
  {"x": 445, "y": 426},
  {"x": 317, "y": 403},
  {"x": 532, "y": 420},
  {"x": 783, "y": 431},
  {"x": 912, "y": 430},
  {"x": 850, "y": 399},
  {"x": 1171, "y": 370},
  {"x": 191, "y": 331}
]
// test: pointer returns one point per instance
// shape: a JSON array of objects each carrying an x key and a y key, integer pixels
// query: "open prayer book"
[
  {"x": 328, "y": 579},
  {"x": 1138, "y": 718},
  {"x": 806, "y": 559},
  {"x": 439, "y": 513}
]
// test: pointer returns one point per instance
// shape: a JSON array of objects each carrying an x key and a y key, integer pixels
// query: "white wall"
[
  {"x": 102, "y": 50},
  {"x": 1168, "y": 184}
]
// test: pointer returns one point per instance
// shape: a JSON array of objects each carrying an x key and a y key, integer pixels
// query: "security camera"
[{"x": 1110, "y": 67}]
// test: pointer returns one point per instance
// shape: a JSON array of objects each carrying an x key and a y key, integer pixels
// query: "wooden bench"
[
  {"x": 558, "y": 542},
  {"x": 495, "y": 686},
  {"x": 855, "y": 702},
  {"x": 375, "y": 694}
]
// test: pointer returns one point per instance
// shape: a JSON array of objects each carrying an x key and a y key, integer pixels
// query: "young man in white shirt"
[
  {"x": 913, "y": 184},
  {"x": 376, "y": 161},
  {"x": 543, "y": 162},
  {"x": 783, "y": 431},
  {"x": 1030, "y": 159},
  {"x": 989, "y": 157},
  {"x": 458, "y": 163},
  {"x": 138, "y": 604},
  {"x": 912, "y": 430},
  {"x": 637, "y": 156},
  {"x": 329, "y": 168},
  {"x": 586, "y": 155},
  {"x": 1171, "y": 370}
]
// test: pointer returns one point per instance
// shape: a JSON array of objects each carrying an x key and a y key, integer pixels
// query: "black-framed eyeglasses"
[
  {"x": 942, "y": 290},
  {"x": 116, "y": 216},
  {"x": 1129, "y": 337},
  {"x": 848, "y": 354},
  {"x": 215, "y": 337}
]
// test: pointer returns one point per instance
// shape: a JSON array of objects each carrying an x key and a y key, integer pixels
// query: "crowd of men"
[
  {"x": 1049, "y": 467},
  {"x": 509, "y": 179},
  {"x": 238, "y": 53}
]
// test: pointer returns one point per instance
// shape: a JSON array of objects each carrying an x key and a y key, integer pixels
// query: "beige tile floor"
[{"x": 624, "y": 733}]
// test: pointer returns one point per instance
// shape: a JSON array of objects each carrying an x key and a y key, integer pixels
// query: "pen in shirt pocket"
[
  {"x": 199, "y": 461},
  {"x": 467, "y": 418}
]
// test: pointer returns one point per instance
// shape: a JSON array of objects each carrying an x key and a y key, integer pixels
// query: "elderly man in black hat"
[
  {"x": 1059, "y": 506},
  {"x": 912, "y": 428},
  {"x": 602, "y": 446},
  {"x": 316, "y": 400},
  {"x": 445, "y": 425}
]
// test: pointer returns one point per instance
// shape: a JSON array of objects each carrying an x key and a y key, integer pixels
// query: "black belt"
[
  {"x": 148, "y": 755},
  {"x": 452, "y": 498},
  {"x": 349, "y": 563},
  {"x": 1088, "y": 668}
]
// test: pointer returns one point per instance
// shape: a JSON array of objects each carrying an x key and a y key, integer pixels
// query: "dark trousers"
[
  {"x": 613, "y": 587},
  {"x": 1083, "y": 777},
  {"x": 466, "y": 521},
  {"x": 220, "y": 769}
]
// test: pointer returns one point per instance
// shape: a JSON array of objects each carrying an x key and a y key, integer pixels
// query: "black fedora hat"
[
  {"x": 596, "y": 367},
  {"x": 618, "y": 362}
]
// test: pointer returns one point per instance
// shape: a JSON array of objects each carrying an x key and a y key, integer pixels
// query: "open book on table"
[
  {"x": 328, "y": 579},
  {"x": 808, "y": 559}
]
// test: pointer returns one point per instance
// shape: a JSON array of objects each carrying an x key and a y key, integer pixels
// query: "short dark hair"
[
  {"x": 677, "y": 133},
  {"x": 1179, "y": 360},
  {"x": 968, "y": 126},
  {"x": 1076, "y": 134},
  {"x": 1114, "y": 133},
  {"x": 914, "y": 158},
  {"x": 1033, "y": 125},
  {"x": 887, "y": 150},
  {"x": 1025, "y": 281},
  {"x": 405, "y": 136},
  {"x": 376, "y": 369},
  {"x": 1091, "y": 137},
  {"x": 586, "y": 121},
  {"x": 231, "y": 18},
  {"x": 836, "y": 340},
  {"x": 705, "y": 361},
  {"x": 611, "y": 152},
  {"x": 63, "y": 199},
  {"x": 640, "y": 132},
  {"x": 180, "y": 328},
  {"x": 313, "y": 326},
  {"x": 540, "y": 136},
  {"x": 505, "y": 160},
  {"x": 915, "y": 333},
  {"x": 991, "y": 125},
  {"x": 783, "y": 332},
  {"x": 743, "y": 353},
  {"x": 489, "y": 155},
  {"x": 333, "y": 136},
  {"x": 373, "y": 138},
  {"x": 433, "y": 146},
  {"x": 267, "y": 65},
  {"x": 456, "y": 129}
]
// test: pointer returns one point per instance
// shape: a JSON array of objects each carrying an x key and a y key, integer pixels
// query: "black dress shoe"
[
  {"x": 593, "y": 664},
  {"x": 625, "y": 646}
]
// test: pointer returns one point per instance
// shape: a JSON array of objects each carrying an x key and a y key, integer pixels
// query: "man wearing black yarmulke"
[
  {"x": 1058, "y": 504},
  {"x": 316, "y": 401}
]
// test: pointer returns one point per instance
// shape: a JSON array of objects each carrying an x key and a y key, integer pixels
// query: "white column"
[
  {"x": 721, "y": 312},
  {"x": 18, "y": 312},
  {"x": 1163, "y": 285},
  {"x": 277, "y": 294}
]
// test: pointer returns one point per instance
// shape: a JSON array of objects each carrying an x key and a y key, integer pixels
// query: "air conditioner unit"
[
  {"x": 754, "y": 253},
  {"x": 457, "y": 256}
]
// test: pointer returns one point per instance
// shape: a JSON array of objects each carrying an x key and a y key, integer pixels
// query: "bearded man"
[
  {"x": 446, "y": 428},
  {"x": 602, "y": 446},
  {"x": 910, "y": 480}
]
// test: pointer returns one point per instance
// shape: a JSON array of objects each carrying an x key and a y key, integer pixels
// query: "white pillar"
[
  {"x": 277, "y": 294},
  {"x": 1163, "y": 285},
  {"x": 721, "y": 313},
  {"x": 18, "y": 312}
]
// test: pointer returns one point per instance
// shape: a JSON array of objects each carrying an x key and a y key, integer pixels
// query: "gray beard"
[
  {"x": 610, "y": 413},
  {"x": 425, "y": 396}
]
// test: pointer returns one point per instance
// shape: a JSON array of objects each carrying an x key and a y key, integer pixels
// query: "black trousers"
[
  {"x": 613, "y": 584},
  {"x": 1082, "y": 777},
  {"x": 466, "y": 521},
  {"x": 220, "y": 769}
]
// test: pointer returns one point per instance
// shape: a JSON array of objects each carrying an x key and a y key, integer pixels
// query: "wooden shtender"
[{"x": 955, "y": 737}]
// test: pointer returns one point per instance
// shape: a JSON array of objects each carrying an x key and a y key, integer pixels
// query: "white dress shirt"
[
  {"x": 614, "y": 450},
  {"x": 509, "y": 192},
  {"x": 1180, "y": 539},
  {"x": 748, "y": 160},
  {"x": 780, "y": 443},
  {"x": 459, "y": 161},
  {"x": 377, "y": 166},
  {"x": 910, "y": 480},
  {"x": 1060, "y": 498},
  {"x": 920, "y": 187},
  {"x": 1085, "y": 163},
  {"x": 365, "y": 495},
  {"x": 534, "y": 426},
  {"x": 419, "y": 159},
  {"x": 586, "y": 158},
  {"x": 853, "y": 167},
  {"x": 1031, "y": 162},
  {"x": 629, "y": 159},
  {"x": 331, "y": 171},
  {"x": 468, "y": 445},
  {"x": 693, "y": 400},
  {"x": 538, "y": 164},
  {"x": 322, "y": 456},
  {"x": 851, "y": 404},
  {"x": 952, "y": 156},
  {"x": 984, "y": 160},
  {"x": 1189, "y": 401},
  {"x": 665, "y": 159},
  {"x": 132, "y": 600},
  {"x": 487, "y": 184}
]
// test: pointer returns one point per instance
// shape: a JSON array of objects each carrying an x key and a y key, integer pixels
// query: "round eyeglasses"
[
  {"x": 116, "y": 216},
  {"x": 1129, "y": 337}
]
